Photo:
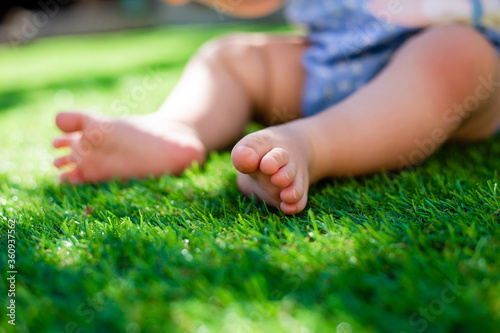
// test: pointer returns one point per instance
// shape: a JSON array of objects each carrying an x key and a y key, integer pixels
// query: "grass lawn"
[{"x": 416, "y": 251}]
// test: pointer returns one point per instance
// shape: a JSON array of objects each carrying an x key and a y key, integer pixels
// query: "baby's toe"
[
  {"x": 67, "y": 140},
  {"x": 248, "y": 153},
  {"x": 73, "y": 177},
  {"x": 63, "y": 161},
  {"x": 274, "y": 160},
  {"x": 293, "y": 193},
  {"x": 245, "y": 159},
  {"x": 292, "y": 209},
  {"x": 69, "y": 122},
  {"x": 284, "y": 176}
]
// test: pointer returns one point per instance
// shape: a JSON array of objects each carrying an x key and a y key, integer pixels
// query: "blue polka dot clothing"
[{"x": 350, "y": 45}]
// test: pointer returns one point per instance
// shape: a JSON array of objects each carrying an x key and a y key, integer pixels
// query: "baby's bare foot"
[
  {"x": 103, "y": 148},
  {"x": 274, "y": 165}
]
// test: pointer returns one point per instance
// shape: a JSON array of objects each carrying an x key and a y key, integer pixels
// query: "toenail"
[
  {"x": 287, "y": 176},
  {"x": 295, "y": 194}
]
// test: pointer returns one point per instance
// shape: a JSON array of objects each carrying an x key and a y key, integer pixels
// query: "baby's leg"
[
  {"x": 209, "y": 108},
  {"x": 417, "y": 103}
]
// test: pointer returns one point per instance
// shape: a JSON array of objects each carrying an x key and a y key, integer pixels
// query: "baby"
[{"x": 375, "y": 85}]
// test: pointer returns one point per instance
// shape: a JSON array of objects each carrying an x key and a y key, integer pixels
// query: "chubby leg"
[
  {"x": 228, "y": 82},
  {"x": 442, "y": 84}
]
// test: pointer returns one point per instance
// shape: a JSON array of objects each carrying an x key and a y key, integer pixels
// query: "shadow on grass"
[{"x": 12, "y": 99}]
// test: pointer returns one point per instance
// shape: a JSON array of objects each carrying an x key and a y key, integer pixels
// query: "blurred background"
[
  {"x": 92, "y": 55},
  {"x": 23, "y": 20}
]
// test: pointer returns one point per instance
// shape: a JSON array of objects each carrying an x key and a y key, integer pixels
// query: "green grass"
[{"x": 191, "y": 254}]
